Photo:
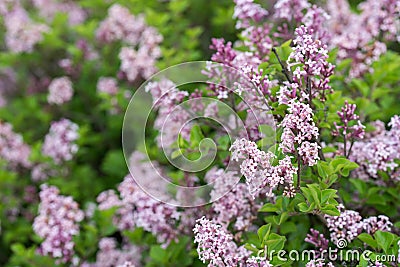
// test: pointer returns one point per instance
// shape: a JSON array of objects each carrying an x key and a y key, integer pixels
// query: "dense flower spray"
[
  {"x": 57, "y": 223},
  {"x": 60, "y": 91},
  {"x": 12, "y": 147}
]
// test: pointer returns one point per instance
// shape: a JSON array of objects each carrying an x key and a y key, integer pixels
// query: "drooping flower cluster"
[
  {"x": 22, "y": 34},
  {"x": 216, "y": 246},
  {"x": 349, "y": 224},
  {"x": 378, "y": 152},
  {"x": 57, "y": 223},
  {"x": 59, "y": 144},
  {"x": 139, "y": 57},
  {"x": 13, "y": 150},
  {"x": 258, "y": 170},
  {"x": 300, "y": 132},
  {"x": 49, "y": 8},
  {"x": 60, "y": 91}
]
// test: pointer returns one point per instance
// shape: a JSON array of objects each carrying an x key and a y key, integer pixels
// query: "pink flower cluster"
[
  {"x": 318, "y": 240},
  {"x": 139, "y": 57},
  {"x": 357, "y": 35},
  {"x": 107, "y": 85},
  {"x": 171, "y": 118},
  {"x": 247, "y": 12},
  {"x": 49, "y": 8},
  {"x": 236, "y": 207},
  {"x": 346, "y": 116},
  {"x": 258, "y": 170},
  {"x": 109, "y": 255},
  {"x": 314, "y": 72},
  {"x": 13, "y": 150},
  {"x": 216, "y": 245},
  {"x": 59, "y": 143},
  {"x": 319, "y": 263},
  {"x": 299, "y": 133},
  {"x": 22, "y": 34},
  {"x": 57, "y": 223},
  {"x": 378, "y": 152},
  {"x": 60, "y": 91},
  {"x": 349, "y": 224},
  {"x": 135, "y": 208}
]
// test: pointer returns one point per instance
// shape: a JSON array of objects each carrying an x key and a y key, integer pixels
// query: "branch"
[{"x": 284, "y": 70}]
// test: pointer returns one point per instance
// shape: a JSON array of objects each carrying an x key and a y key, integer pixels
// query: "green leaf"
[
  {"x": 384, "y": 239},
  {"x": 269, "y": 207},
  {"x": 368, "y": 239}
]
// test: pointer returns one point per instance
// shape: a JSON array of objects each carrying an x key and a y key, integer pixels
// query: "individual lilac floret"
[
  {"x": 60, "y": 91},
  {"x": 347, "y": 116},
  {"x": 59, "y": 143},
  {"x": 216, "y": 246},
  {"x": 12, "y": 147},
  {"x": 57, "y": 223}
]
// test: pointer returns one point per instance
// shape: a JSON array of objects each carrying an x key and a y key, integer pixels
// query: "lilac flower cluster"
[
  {"x": 109, "y": 255},
  {"x": 356, "y": 35},
  {"x": 314, "y": 72},
  {"x": 216, "y": 245},
  {"x": 258, "y": 170},
  {"x": 49, "y": 8},
  {"x": 299, "y": 133},
  {"x": 378, "y": 152},
  {"x": 349, "y": 224},
  {"x": 107, "y": 85},
  {"x": 170, "y": 119},
  {"x": 59, "y": 143},
  {"x": 139, "y": 57},
  {"x": 57, "y": 223},
  {"x": 13, "y": 150},
  {"x": 60, "y": 91},
  {"x": 236, "y": 207},
  {"x": 318, "y": 240},
  {"x": 319, "y": 263},
  {"x": 135, "y": 208},
  {"x": 346, "y": 116},
  {"x": 22, "y": 34},
  {"x": 247, "y": 12}
]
